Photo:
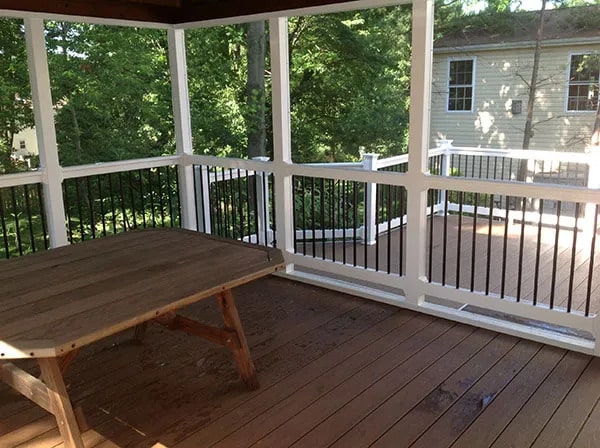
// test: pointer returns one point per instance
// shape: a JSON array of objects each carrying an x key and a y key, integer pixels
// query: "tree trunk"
[
  {"x": 528, "y": 133},
  {"x": 76, "y": 135},
  {"x": 255, "y": 89}
]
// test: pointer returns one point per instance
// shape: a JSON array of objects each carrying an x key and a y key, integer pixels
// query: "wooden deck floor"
[
  {"x": 335, "y": 371},
  {"x": 468, "y": 260}
]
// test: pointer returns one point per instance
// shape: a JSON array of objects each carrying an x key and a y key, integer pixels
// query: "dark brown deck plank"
[
  {"x": 413, "y": 424},
  {"x": 417, "y": 333},
  {"x": 499, "y": 412},
  {"x": 382, "y": 334},
  {"x": 527, "y": 424},
  {"x": 366, "y": 431},
  {"x": 339, "y": 401},
  {"x": 564, "y": 426},
  {"x": 460, "y": 415}
]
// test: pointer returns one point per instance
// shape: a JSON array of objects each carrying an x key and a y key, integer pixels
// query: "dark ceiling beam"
[
  {"x": 108, "y": 9},
  {"x": 160, "y": 11},
  {"x": 199, "y": 10}
]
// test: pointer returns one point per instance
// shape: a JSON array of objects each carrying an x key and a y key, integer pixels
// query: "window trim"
[
  {"x": 568, "y": 84},
  {"x": 473, "y": 82}
]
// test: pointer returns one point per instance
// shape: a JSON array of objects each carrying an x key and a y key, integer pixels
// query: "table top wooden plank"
[
  {"x": 123, "y": 289},
  {"x": 67, "y": 276}
]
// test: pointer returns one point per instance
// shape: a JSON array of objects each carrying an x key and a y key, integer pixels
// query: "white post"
[
  {"x": 262, "y": 204},
  {"x": 183, "y": 128},
  {"x": 282, "y": 140},
  {"x": 446, "y": 145},
  {"x": 593, "y": 181},
  {"x": 39, "y": 78},
  {"x": 420, "y": 101},
  {"x": 370, "y": 224},
  {"x": 202, "y": 181}
]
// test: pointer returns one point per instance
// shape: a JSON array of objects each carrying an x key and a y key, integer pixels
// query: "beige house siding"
[
  {"x": 29, "y": 137},
  {"x": 498, "y": 82}
]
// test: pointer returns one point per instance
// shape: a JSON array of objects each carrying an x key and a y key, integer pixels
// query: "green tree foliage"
[
  {"x": 350, "y": 84},
  {"x": 111, "y": 90},
  {"x": 15, "y": 94}
]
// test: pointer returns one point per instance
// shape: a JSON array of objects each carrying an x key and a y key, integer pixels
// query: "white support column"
[
  {"x": 282, "y": 140},
  {"x": 183, "y": 128},
  {"x": 261, "y": 188},
  {"x": 370, "y": 224},
  {"x": 420, "y": 101},
  {"x": 39, "y": 78}
]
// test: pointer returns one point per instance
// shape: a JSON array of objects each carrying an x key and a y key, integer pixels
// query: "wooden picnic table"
[{"x": 55, "y": 302}]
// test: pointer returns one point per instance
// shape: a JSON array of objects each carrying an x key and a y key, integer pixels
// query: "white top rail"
[
  {"x": 16, "y": 179},
  {"x": 529, "y": 154},
  {"x": 121, "y": 165}
]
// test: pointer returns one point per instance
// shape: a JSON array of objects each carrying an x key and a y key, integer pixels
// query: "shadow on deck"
[{"x": 334, "y": 371}]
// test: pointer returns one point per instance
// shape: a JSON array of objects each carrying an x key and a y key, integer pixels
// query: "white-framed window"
[
  {"x": 461, "y": 79},
  {"x": 22, "y": 144},
  {"x": 582, "y": 90}
]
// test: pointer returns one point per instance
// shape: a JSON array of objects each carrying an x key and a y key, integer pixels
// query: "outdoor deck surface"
[
  {"x": 335, "y": 371},
  {"x": 501, "y": 270}
]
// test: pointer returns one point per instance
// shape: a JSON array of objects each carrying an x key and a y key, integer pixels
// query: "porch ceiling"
[{"x": 160, "y": 11}]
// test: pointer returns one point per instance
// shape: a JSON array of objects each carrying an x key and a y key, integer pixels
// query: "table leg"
[
  {"x": 231, "y": 319},
  {"x": 60, "y": 403}
]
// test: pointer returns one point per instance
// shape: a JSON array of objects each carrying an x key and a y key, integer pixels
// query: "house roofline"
[{"x": 518, "y": 45}]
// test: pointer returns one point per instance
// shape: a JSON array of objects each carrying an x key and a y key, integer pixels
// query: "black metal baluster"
[
  {"x": 90, "y": 198},
  {"x": 13, "y": 197},
  {"x": 332, "y": 217},
  {"x": 312, "y": 219},
  {"x": 40, "y": 196},
  {"x": 588, "y": 295},
  {"x": 474, "y": 241},
  {"x": 170, "y": 195},
  {"x": 401, "y": 242},
  {"x": 367, "y": 205},
  {"x": 233, "y": 204},
  {"x": 389, "y": 231},
  {"x": 537, "y": 253},
  {"x": 3, "y": 224},
  {"x": 377, "y": 202},
  {"x": 573, "y": 253},
  {"x": 68, "y": 213},
  {"x": 126, "y": 225},
  {"x": 505, "y": 247},
  {"x": 152, "y": 203},
  {"x": 555, "y": 255},
  {"x": 344, "y": 219},
  {"x": 521, "y": 246},
  {"x": 102, "y": 211},
  {"x": 256, "y": 217},
  {"x": 142, "y": 200},
  {"x": 132, "y": 198},
  {"x": 248, "y": 200},
  {"x": 445, "y": 239},
  {"x": 459, "y": 242},
  {"x": 29, "y": 217},
  {"x": 161, "y": 202},
  {"x": 177, "y": 199},
  {"x": 241, "y": 205},
  {"x": 431, "y": 216},
  {"x": 112, "y": 203},
  {"x": 322, "y": 210},
  {"x": 304, "y": 215},
  {"x": 489, "y": 245},
  {"x": 265, "y": 182},
  {"x": 355, "y": 221},
  {"x": 79, "y": 209}
]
